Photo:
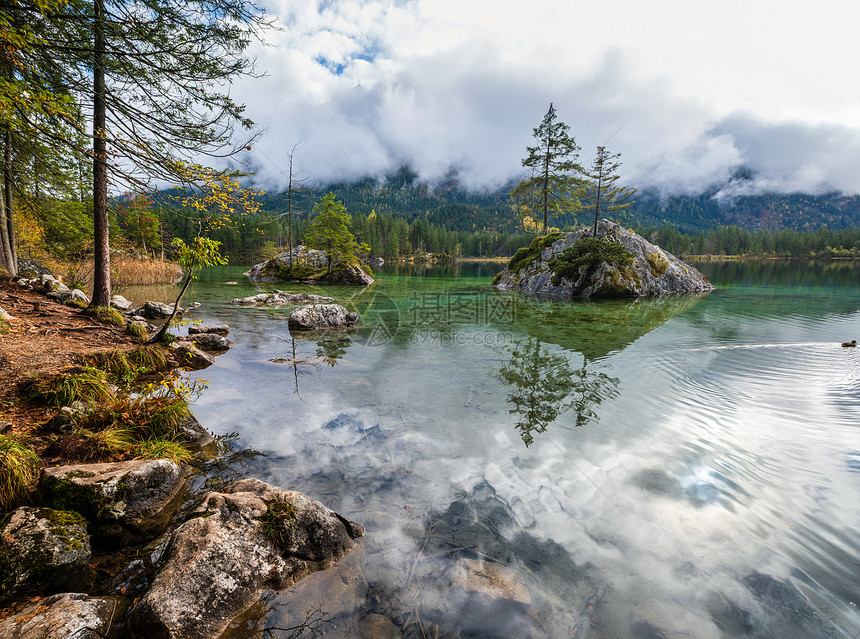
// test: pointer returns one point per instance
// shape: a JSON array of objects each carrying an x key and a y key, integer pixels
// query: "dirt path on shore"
[{"x": 43, "y": 337}]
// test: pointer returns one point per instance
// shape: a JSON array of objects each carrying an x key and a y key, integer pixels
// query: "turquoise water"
[{"x": 683, "y": 467}]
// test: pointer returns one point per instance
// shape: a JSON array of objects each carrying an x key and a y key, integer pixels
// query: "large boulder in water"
[
  {"x": 548, "y": 267},
  {"x": 236, "y": 544},
  {"x": 321, "y": 316},
  {"x": 304, "y": 264}
]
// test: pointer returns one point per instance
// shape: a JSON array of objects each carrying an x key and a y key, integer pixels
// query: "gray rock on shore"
[
  {"x": 321, "y": 316},
  {"x": 120, "y": 303},
  {"x": 126, "y": 501},
  {"x": 157, "y": 310},
  {"x": 236, "y": 544},
  {"x": 43, "y": 550},
  {"x": 653, "y": 271},
  {"x": 66, "y": 616}
]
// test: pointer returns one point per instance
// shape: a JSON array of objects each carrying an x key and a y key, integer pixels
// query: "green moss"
[
  {"x": 167, "y": 339},
  {"x": 105, "y": 315},
  {"x": 79, "y": 473},
  {"x": 137, "y": 331},
  {"x": 76, "y": 303},
  {"x": 276, "y": 522},
  {"x": 584, "y": 256},
  {"x": 4, "y": 326},
  {"x": 497, "y": 278},
  {"x": 62, "y": 494},
  {"x": 524, "y": 257},
  {"x": 300, "y": 271},
  {"x": 659, "y": 264}
]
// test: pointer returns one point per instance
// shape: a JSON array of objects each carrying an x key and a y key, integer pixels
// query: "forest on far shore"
[{"x": 401, "y": 217}]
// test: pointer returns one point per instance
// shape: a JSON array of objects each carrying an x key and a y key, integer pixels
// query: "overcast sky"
[{"x": 686, "y": 90}]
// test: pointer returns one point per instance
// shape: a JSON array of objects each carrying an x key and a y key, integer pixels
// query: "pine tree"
[
  {"x": 553, "y": 181},
  {"x": 330, "y": 231},
  {"x": 601, "y": 192},
  {"x": 152, "y": 79}
]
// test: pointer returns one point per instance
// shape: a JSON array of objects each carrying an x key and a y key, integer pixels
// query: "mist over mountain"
[{"x": 449, "y": 203}]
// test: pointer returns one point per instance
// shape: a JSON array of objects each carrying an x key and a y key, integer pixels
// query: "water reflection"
[
  {"x": 543, "y": 387},
  {"x": 598, "y": 328},
  {"x": 715, "y": 499}
]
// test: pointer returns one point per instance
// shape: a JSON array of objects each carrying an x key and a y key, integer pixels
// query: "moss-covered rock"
[
  {"x": 615, "y": 263},
  {"x": 126, "y": 501},
  {"x": 43, "y": 550}
]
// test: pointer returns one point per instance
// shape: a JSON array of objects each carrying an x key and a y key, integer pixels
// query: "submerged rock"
[
  {"x": 129, "y": 501},
  {"x": 651, "y": 272},
  {"x": 66, "y": 616},
  {"x": 43, "y": 550},
  {"x": 320, "y": 316},
  {"x": 236, "y": 544},
  {"x": 308, "y": 265}
]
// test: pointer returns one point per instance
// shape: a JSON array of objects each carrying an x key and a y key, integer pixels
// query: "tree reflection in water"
[{"x": 544, "y": 386}]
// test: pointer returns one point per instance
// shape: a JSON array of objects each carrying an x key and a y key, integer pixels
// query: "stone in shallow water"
[
  {"x": 219, "y": 561},
  {"x": 192, "y": 358},
  {"x": 206, "y": 341},
  {"x": 321, "y": 316},
  {"x": 217, "y": 329}
]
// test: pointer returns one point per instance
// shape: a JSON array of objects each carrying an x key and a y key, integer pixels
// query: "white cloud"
[{"x": 368, "y": 84}]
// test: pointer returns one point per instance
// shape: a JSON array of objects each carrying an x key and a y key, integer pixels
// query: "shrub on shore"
[
  {"x": 88, "y": 385},
  {"x": 19, "y": 467}
]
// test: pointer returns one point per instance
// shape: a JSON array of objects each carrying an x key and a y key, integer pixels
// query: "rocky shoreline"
[{"x": 211, "y": 554}]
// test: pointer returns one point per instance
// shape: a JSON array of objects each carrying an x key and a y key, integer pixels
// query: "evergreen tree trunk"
[
  {"x": 7, "y": 247},
  {"x": 101, "y": 238},
  {"x": 7, "y": 262},
  {"x": 596, "y": 209},
  {"x": 7, "y": 204},
  {"x": 546, "y": 194}
]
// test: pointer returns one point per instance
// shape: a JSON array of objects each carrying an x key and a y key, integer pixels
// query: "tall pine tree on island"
[
  {"x": 553, "y": 184},
  {"x": 601, "y": 192}
]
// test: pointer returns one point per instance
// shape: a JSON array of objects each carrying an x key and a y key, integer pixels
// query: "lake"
[{"x": 681, "y": 467}]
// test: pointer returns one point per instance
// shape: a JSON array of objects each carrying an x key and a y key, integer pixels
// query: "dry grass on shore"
[{"x": 126, "y": 271}]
